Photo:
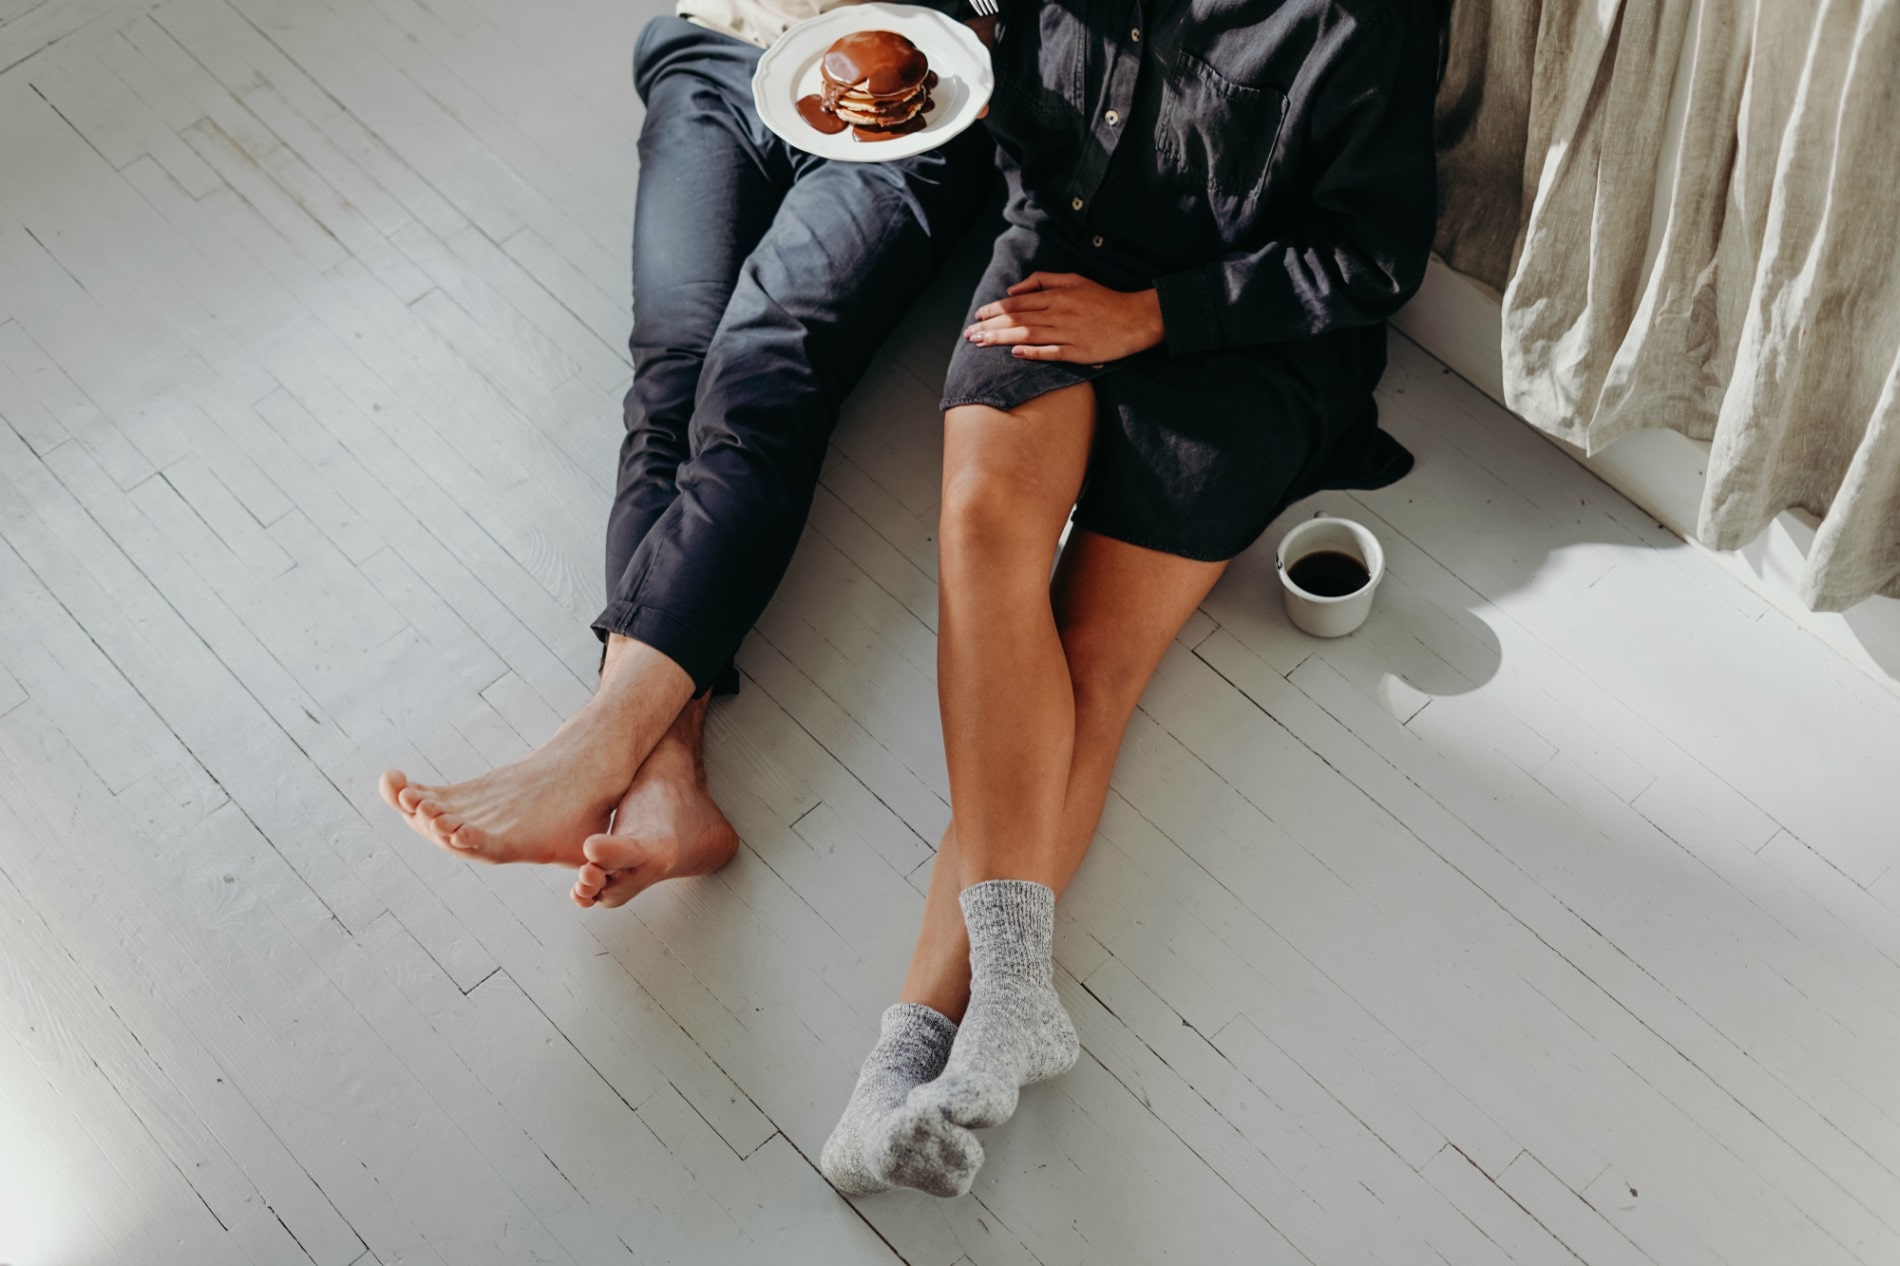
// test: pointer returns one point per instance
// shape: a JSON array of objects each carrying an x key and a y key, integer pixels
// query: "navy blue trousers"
[{"x": 764, "y": 280}]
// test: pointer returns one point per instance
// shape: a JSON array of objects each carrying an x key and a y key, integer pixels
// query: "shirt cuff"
[{"x": 1189, "y": 319}]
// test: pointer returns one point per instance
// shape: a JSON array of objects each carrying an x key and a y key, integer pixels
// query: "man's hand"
[{"x": 1064, "y": 316}]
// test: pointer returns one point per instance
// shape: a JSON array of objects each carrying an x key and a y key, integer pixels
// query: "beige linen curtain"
[{"x": 1758, "y": 306}]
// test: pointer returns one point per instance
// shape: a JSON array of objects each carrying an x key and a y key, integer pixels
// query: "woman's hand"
[{"x": 1065, "y": 316}]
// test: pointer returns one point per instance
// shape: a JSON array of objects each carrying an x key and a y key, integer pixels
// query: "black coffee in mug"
[{"x": 1329, "y": 574}]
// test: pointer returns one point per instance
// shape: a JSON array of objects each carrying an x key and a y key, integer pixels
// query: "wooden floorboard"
[{"x": 1554, "y": 917}]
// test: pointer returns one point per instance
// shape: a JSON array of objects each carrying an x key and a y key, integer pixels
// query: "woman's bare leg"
[
  {"x": 939, "y": 976},
  {"x": 1009, "y": 481},
  {"x": 1117, "y": 607}
]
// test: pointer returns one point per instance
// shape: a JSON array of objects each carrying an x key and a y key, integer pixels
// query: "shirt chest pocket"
[{"x": 1215, "y": 129}]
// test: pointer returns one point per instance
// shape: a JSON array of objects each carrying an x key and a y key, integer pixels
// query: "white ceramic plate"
[{"x": 789, "y": 70}]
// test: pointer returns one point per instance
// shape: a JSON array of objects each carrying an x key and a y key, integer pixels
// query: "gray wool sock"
[
  {"x": 911, "y": 1049},
  {"x": 1014, "y": 1032}
]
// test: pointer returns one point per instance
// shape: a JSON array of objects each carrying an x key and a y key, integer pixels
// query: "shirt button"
[
  {"x": 1135, "y": 35},
  {"x": 1113, "y": 117},
  {"x": 1075, "y": 204},
  {"x": 1097, "y": 240}
]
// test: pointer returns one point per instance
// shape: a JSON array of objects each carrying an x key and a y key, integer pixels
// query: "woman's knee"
[
  {"x": 983, "y": 512},
  {"x": 991, "y": 503},
  {"x": 1010, "y": 477}
]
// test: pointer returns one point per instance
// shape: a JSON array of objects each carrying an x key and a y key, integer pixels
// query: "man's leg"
[
  {"x": 846, "y": 254},
  {"x": 706, "y": 196},
  {"x": 667, "y": 826},
  {"x": 541, "y": 808}
]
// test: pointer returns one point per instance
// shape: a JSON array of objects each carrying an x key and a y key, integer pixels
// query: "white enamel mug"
[{"x": 1316, "y": 614}]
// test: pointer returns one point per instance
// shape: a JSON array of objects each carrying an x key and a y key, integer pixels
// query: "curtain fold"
[{"x": 1740, "y": 284}]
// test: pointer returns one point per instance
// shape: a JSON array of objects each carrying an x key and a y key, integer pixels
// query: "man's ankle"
[
  {"x": 675, "y": 758},
  {"x": 629, "y": 667}
]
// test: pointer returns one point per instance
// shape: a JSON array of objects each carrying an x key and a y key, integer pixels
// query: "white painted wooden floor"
[{"x": 1552, "y": 917}]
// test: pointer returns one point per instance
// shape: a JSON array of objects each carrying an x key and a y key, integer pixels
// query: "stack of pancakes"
[{"x": 876, "y": 80}]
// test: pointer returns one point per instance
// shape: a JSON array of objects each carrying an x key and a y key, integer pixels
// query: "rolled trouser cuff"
[{"x": 709, "y": 665}]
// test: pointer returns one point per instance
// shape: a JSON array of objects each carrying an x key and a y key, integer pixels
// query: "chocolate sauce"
[
  {"x": 916, "y": 124},
  {"x": 811, "y": 108},
  {"x": 874, "y": 63},
  {"x": 883, "y": 61}
]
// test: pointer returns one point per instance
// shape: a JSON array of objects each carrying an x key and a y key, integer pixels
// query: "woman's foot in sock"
[
  {"x": 913, "y": 1044},
  {"x": 920, "y": 1148},
  {"x": 1015, "y": 1030}
]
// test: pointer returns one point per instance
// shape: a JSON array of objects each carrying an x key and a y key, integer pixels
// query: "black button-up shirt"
[{"x": 1265, "y": 165}]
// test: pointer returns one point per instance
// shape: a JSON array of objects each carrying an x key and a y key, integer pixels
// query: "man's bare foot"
[
  {"x": 666, "y": 826},
  {"x": 542, "y": 808}
]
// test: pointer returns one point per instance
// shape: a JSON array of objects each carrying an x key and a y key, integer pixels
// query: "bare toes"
[
  {"x": 409, "y": 801},
  {"x": 590, "y": 879},
  {"x": 615, "y": 852},
  {"x": 469, "y": 839},
  {"x": 390, "y": 785},
  {"x": 624, "y": 887}
]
